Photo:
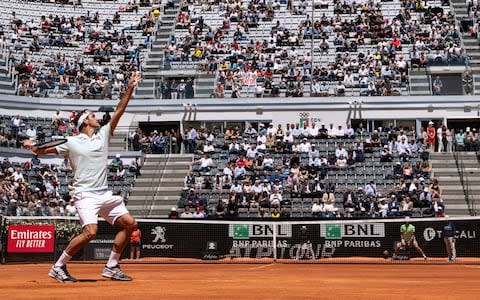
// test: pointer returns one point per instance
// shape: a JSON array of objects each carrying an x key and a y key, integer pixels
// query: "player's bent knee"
[
  {"x": 90, "y": 232},
  {"x": 132, "y": 226}
]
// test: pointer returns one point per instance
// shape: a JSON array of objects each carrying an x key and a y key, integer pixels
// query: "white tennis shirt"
[{"x": 89, "y": 158}]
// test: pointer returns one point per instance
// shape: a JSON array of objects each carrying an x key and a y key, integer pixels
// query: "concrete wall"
[{"x": 279, "y": 110}]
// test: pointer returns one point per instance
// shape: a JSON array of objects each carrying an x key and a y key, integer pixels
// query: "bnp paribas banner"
[
  {"x": 309, "y": 240},
  {"x": 343, "y": 239}
]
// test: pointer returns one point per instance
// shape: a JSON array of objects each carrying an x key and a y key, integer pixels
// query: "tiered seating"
[
  {"x": 266, "y": 50},
  {"x": 46, "y": 172},
  {"x": 44, "y": 190},
  {"x": 85, "y": 50},
  {"x": 211, "y": 186}
]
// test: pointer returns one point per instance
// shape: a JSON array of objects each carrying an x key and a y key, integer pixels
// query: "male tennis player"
[{"x": 88, "y": 155}]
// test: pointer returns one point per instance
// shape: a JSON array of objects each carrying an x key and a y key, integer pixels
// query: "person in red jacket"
[
  {"x": 431, "y": 136},
  {"x": 135, "y": 240}
]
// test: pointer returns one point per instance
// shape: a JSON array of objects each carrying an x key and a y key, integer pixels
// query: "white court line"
[
  {"x": 471, "y": 267},
  {"x": 261, "y": 267}
]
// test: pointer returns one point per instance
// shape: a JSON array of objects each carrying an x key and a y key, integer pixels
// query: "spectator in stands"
[
  {"x": 408, "y": 171},
  {"x": 16, "y": 122},
  {"x": 186, "y": 214},
  {"x": 382, "y": 208},
  {"x": 191, "y": 140},
  {"x": 70, "y": 209},
  {"x": 275, "y": 198},
  {"x": 370, "y": 189},
  {"x": 220, "y": 210},
  {"x": 435, "y": 187},
  {"x": 460, "y": 140},
  {"x": 198, "y": 214},
  {"x": 385, "y": 154},
  {"x": 406, "y": 206},
  {"x": 437, "y": 86},
  {"x": 349, "y": 202},
  {"x": 470, "y": 139},
  {"x": 437, "y": 205},
  {"x": 425, "y": 198},
  {"x": 206, "y": 163},
  {"x": 467, "y": 82},
  {"x": 31, "y": 132},
  {"x": 173, "y": 214},
  {"x": 117, "y": 162},
  {"x": 232, "y": 209}
]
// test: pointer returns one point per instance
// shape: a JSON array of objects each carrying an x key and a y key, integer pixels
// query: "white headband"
[{"x": 81, "y": 119}]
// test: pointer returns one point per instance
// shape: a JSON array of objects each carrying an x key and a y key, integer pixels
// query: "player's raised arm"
[{"x": 122, "y": 105}]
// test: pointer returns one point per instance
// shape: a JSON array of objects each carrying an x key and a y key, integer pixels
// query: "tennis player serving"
[{"x": 88, "y": 155}]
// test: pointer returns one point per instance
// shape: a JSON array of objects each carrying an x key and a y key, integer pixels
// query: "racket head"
[{"x": 51, "y": 144}]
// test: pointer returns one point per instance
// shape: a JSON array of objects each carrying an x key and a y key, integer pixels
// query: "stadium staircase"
[
  {"x": 456, "y": 195},
  {"x": 154, "y": 63},
  {"x": 470, "y": 43},
  {"x": 419, "y": 83},
  {"x": 205, "y": 85},
  {"x": 160, "y": 186},
  {"x": 6, "y": 84},
  {"x": 117, "y": 142}
]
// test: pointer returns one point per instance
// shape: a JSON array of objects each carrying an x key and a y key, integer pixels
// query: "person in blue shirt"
[{"x": 448, "y": 234}]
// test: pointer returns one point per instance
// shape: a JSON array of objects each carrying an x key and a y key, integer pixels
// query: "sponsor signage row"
[{"x": 205, "y": 240}]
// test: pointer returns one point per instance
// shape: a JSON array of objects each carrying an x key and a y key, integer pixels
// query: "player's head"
[
  {"x": 85, "y": 119},
  {"x": 407, "y": 220}
]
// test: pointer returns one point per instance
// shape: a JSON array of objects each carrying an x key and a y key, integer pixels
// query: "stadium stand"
[
  {"x": 82, "y": 49},
  {"x": 256, "y": 49},
  {"x": 186, "y": 49},
  {"x": 312, "y": 172},
  {"x": 40, "y": 187}
]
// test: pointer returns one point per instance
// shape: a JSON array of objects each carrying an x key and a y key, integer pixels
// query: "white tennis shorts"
[{"x": 90, "y": 205}]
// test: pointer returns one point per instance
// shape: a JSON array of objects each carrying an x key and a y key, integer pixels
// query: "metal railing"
[
  {"x": 465, "y": 183},
  {"x": 155, "y": 181}
]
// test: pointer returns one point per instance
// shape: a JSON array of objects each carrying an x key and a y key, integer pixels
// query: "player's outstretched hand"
[
  {"x": 29, "y": 145},
  {"x": 135, "y": 78}
]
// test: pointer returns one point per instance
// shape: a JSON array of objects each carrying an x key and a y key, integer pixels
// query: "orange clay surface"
[{"x": 247, "y": 281}]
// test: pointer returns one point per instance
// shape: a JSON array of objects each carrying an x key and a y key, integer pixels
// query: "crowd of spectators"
[
  {"x": 14, "y": 129},
  {"x": 86, "y": 56},
  {"x": 177, "y": 88},
  {"x": 373, "y": 52},
  {"x": 156, "y": 141},
  {"x": 310, "y": 171},
  {"x": 34, "y": 188},
  {"x": 31, "y": 187}
]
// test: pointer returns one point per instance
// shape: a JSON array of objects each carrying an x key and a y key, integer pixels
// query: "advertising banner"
[
  {"x": 204, "y": 239},
  {"x": 343, "y": 239},
  {"x": 31, "y": 238}
]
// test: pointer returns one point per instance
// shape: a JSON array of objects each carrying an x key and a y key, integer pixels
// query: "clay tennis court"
[{"x": 248, "y": 281}]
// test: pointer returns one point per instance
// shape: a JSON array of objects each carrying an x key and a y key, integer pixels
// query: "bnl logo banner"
[
  {"x": 340, "y": 231},
  {"x": 246, "y": 231}
]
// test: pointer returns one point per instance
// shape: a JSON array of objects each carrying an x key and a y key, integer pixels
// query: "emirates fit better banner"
[{"x": 31, "y": 238}]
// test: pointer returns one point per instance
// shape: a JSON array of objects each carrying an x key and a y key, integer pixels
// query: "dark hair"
[{"x": 77, "y": 117}]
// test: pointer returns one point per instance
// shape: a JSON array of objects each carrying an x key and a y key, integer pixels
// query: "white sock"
[
  {"x": 113, "y": 259},
  {"x": 63, "y": 260}
]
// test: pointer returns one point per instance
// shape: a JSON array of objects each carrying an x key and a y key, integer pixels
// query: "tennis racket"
[{"x": 53, "y": 143}]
